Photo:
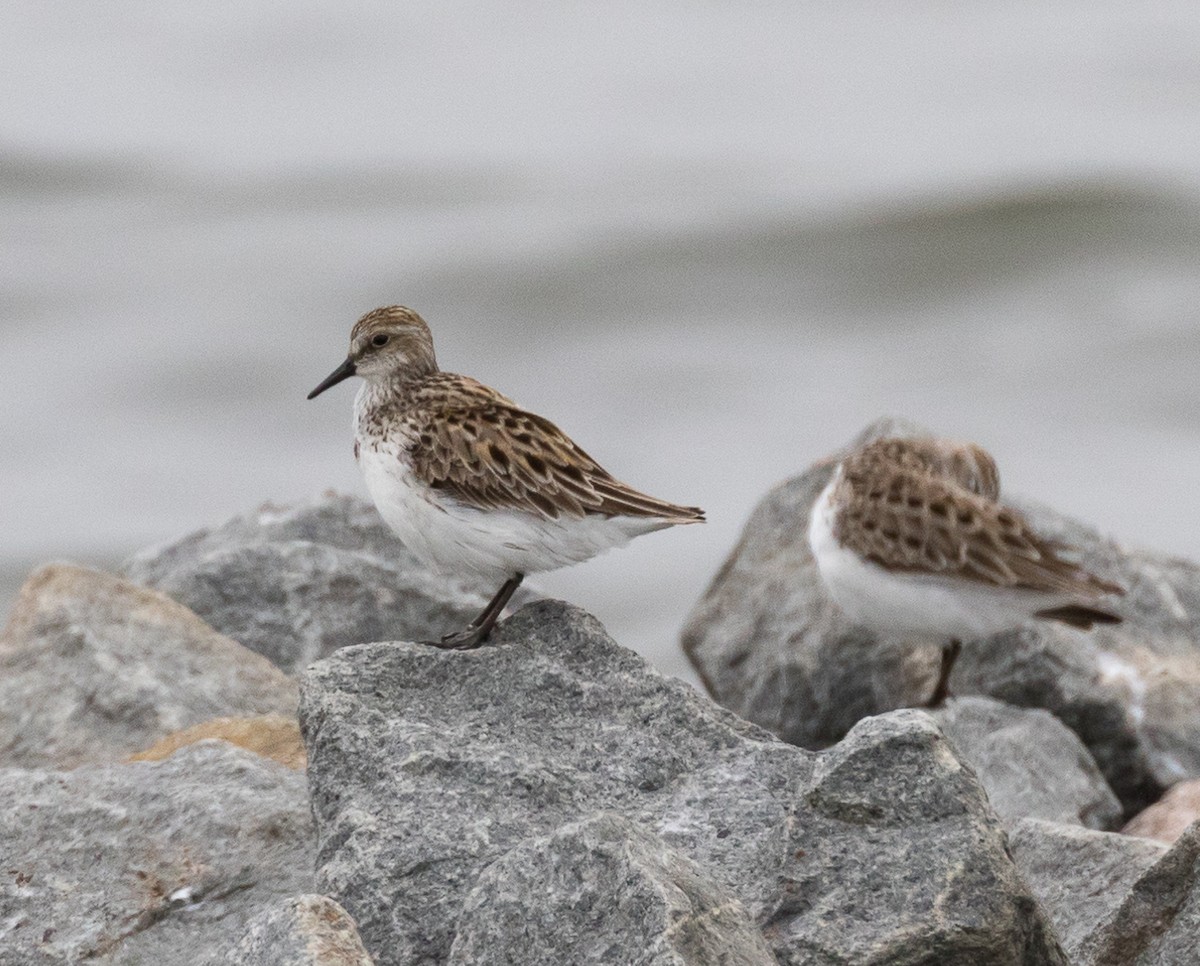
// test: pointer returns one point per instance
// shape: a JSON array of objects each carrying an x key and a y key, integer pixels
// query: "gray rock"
[
  {"x": 1116, "y": 900},
  {"x": 147, "y": 863},
  {"x": 304, "y": 931},
  {"x": 427, "y": 766},
  {"x": 1176, "y": 944},
  {"x": 1029, "y": 762},
  {"x": 93, "y": 668},
  {"x": 603, "y": 891},
  {"x": 296, "y": 583},
  {"x": 1158, "y": 924},
  {"x": 1080, "y": 876},
  {"x": 769, "y": 643}
]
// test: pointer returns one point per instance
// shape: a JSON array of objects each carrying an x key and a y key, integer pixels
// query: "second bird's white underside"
[
  {"x": 888, "y": 602},
  {"x": 491, "y": 545}
]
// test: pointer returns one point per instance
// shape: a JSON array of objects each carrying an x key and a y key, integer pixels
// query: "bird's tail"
[
  {"x": 623, "y": 500},
  {"x": 1078, "y": 615}
]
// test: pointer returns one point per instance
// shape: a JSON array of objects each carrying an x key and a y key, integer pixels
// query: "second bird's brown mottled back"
[{"x": 928, "y": 506}]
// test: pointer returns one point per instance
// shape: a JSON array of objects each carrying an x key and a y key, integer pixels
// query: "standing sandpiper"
[
  {"x": 471, "y": 482},
  {"x": 910, "y": 537}
]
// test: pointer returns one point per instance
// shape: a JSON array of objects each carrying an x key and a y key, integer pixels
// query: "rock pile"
[
  {"x": 444, "y": 782},
  {"x": 548, "y": 798}
]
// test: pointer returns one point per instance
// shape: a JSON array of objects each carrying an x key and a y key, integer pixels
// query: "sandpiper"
[
  {"x": 910, "y": 537},
  {"x": 472, "y": 483}
]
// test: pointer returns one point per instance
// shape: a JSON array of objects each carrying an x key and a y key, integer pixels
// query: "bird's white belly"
[
  {"x": 492, "y": 545},
  {"x": 908, "y": 604}
]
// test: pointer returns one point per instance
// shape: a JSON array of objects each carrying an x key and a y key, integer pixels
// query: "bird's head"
[{"x": 387, "y": 343}]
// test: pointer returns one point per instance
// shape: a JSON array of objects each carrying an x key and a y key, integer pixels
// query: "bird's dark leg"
[
  {"x": 942, "y": 691},
  {"x": 478, "y": 630}
]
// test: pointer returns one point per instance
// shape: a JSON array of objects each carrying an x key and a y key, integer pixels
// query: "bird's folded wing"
[
  {"x": 917, "y": 523},
  {"x": 488, "y": 453}
]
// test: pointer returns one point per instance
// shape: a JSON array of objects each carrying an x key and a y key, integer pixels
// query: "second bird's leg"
[
  {"x": 478, "y": 630},
  {"x": 942, "y": 691}
]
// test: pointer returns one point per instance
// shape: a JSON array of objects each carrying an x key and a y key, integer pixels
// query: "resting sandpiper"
[
  {"x": 910, "y": 537},
  {"x": 472, "y": 483}
]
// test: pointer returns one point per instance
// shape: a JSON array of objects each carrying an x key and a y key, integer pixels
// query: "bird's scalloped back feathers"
[
  {"x": 967, "y": 464},
  {"x": 476, "y": 445},
  {"x": 930, "y": 507}
]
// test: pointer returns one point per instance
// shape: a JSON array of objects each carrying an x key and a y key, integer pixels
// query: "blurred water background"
[{"x": 710, "y": 239}]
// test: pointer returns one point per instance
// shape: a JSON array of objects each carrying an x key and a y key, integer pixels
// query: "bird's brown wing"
[
  {"x": 487, "y": 452},
  {"x": 910, "y": 520}
]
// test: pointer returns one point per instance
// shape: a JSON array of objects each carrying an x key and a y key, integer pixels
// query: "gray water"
[{"x": 711, "y": 240}]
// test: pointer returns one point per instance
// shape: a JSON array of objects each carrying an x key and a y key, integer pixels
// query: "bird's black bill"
[{"x": 344, "y": 371}]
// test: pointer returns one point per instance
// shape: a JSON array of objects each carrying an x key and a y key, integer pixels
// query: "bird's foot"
[
  {"x": 938, "y": 698},
  {"x": 467, "y": 639}
]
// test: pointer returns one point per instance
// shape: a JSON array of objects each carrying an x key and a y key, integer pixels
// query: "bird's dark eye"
[{"x": 380, "y": 340}]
